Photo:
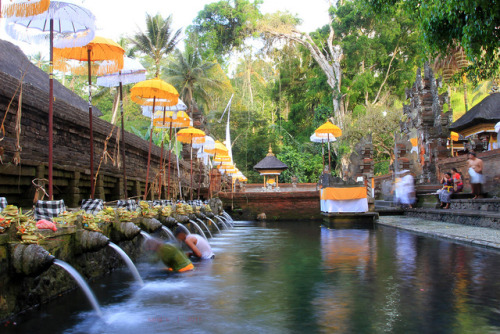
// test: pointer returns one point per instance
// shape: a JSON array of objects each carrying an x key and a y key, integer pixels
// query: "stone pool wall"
[{"x": 22, "y": 290}]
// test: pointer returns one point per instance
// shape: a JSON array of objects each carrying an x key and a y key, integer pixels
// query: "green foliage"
[
  {"x": 157, "y": 41},
  {"x": 194, "y": 78},
  {"x": 473, "y": 24},
  {"x": 223, "y": 26},
  {"x": 381, "y": 52},
  {"x": 306, "y": 166}
]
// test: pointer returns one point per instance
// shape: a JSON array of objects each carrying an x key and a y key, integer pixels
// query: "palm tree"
[
  {"x": 158, "y": 40},
  {"x": 194, "y": 78}
]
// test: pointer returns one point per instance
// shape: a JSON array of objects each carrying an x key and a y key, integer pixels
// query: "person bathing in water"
[
  {"x": 199, "y": 247},
  {"x": 173, "y": 258}
]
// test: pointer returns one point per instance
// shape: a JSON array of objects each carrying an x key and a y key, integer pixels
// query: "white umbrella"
[
  {"x": 497, "y": 127},
  {"x": 62, "y": 25},
  {"x": 132, "y": 72}
]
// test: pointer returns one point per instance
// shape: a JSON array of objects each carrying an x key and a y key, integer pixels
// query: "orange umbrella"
[
  {"x": 186, "y": 136},
  {"x": 99, "y": 49},
  {"x": 151, "y": 92},
  {"x": 24, "y": 8},
  {"x": 454, "y": 136},
  {"x": 326, "y": 130}
]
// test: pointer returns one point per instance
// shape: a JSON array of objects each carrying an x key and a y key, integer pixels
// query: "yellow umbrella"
[
  {"x": 219, "y": 149},
  {"x": 414, "y": 142},
  {"x": 24, "y": 8},
  {"x": 99, "y": 49},
  {"x": 186, "y": 136},
  {"x": 226, "y": 166},
  {"x": 454, "y": 136},
  {"x": 182, "y": 120},
  {"x": 326, "y": 130},
  {"x": 154, "y": 92},
  {"x": 148, "y": 92}
]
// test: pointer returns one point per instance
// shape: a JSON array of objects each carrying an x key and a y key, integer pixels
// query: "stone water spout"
[
  {"x": 124, "y": 231},
  {"x": 90, "y": 241},
  {"x": 31, "y": 260},
  {"x": 151, "y": 224},
  {"x": 181, "y": 219}
]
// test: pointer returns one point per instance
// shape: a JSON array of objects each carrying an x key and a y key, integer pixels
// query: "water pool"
[{"x": 296, "y": 277}]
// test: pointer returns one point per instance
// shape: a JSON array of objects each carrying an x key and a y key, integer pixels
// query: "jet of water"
[
  {"x": 213, "y": 223},
  {"x": 224, "y": 226},
  {"x": 205, "y": 226},
  {"x": 198, "y": 228},
  {"x": 184, "y": 227},
  {"x": 170, "y": 234},
  {"x": 128, "y": 262},
  {"x": 83, "y": 285},
  {"x": 146, "y": 235}
]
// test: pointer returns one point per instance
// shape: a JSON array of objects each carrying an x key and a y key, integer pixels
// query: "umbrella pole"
[
  {"x": 161, "y": 155},
  {"x": 169, "y": 155},
  {"x": 199, "y": 177},
  {"x": 149, "y": 152},
  {"x": 329, "y": 157},
  {"x": 123, "y": 143},
  {"x": 323, "y": 154},
  {"x": 92, "y": 184},
  {"x": 191, "y": 188},
  {"x": 179, "y": 172},
  {"x": 51, "y": 109}
]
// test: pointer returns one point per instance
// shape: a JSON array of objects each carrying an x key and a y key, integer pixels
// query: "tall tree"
[
  {"x": 194, "y": 78},
  {"x": 473, "y": 24},
  {"x": 223, "y": 26},
  {"x": 283, "y": 26},
  {"x": 158, "y": 40}
]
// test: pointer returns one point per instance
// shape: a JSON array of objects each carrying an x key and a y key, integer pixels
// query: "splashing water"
[
  {"x": 81, "y": 282},
  {"x": 231, "y": 220},
  {"x": 128, "y": 262}
]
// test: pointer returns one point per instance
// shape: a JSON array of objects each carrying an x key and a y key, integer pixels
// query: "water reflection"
[{"x": 299, "y": 278}]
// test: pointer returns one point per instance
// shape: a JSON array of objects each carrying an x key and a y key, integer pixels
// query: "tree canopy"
[{"x": 472, "y": 24}]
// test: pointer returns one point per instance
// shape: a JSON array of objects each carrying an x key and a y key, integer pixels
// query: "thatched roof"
[
  {"x": 486, "y": 111},
  {"x": 270, "y": 162},
  {"x": 14, "y": 63}
]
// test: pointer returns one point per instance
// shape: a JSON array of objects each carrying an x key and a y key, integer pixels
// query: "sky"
[{"x": 115, "y": 18}]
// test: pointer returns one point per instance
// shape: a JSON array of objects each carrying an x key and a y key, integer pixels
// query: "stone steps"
[
  {"x": 482, "y": 218},
  {"x": 480, "y": 204}
]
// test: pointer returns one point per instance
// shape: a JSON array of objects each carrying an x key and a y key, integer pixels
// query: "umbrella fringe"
[{"x": 26, "y": 9}]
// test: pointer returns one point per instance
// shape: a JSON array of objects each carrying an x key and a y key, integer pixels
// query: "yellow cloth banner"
[{"x": 342, "y": 194}]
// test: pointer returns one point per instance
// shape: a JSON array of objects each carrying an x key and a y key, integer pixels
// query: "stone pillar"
[
  {"x": 74, "y": 196},
  {"x": 99, "y": 190}
]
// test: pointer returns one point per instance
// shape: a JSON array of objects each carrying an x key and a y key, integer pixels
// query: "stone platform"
[{"x": 478, "y": 236}]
